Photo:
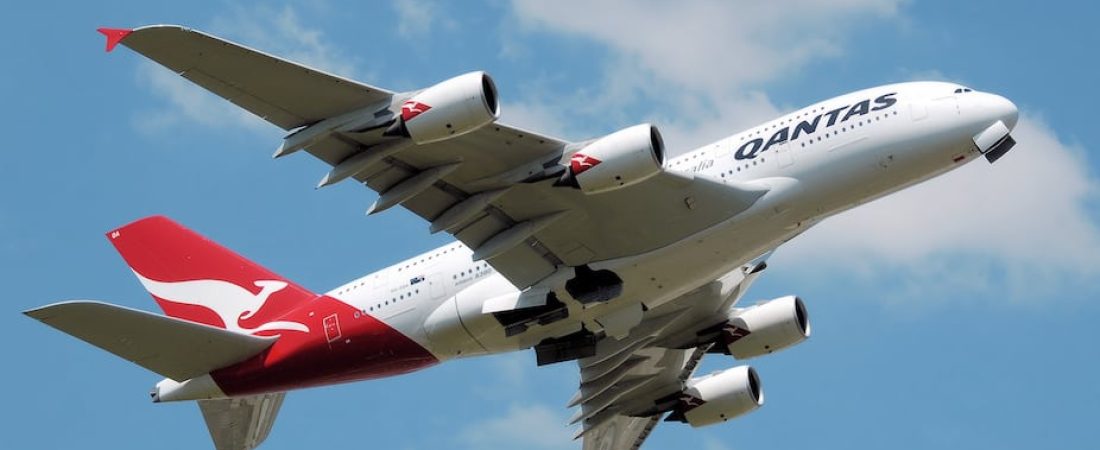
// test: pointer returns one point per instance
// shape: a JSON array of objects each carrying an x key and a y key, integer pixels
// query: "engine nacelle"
[
  {"x": 620, "y": 159},
  {"x": 719, "y": 397},
  {"x": 766, "y": 328},
  {"x": 451, "y": 108}
]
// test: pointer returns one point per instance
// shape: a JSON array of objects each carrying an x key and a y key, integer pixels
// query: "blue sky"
[{"x": 957, "y": 314}]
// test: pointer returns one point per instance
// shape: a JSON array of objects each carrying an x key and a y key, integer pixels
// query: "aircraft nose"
[{"x": 1003, "y": 109}]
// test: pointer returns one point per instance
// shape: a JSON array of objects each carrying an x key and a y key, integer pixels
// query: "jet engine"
[
  {"x": 451, "y": 108},
  {"x": 765, "y": 328},
  {"x": 620, "y": 159},
  {"x": 718, "y": 397}
]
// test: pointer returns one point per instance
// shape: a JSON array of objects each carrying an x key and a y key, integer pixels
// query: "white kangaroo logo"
[
  {"x": 411, "y": 108},
  {"x": 230, "y": 302},
  {"x": 582, "y": 160}
]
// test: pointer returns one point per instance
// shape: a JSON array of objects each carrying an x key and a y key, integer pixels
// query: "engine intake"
[
  {"x": 451, "y": 108},
  {"x": 719, "y": 397},
  {"x": 620, "y": 159},
  {"x": 765, "y": 328}
]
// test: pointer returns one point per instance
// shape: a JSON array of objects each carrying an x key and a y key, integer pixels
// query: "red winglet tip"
[{"x": 114, "y": 36}]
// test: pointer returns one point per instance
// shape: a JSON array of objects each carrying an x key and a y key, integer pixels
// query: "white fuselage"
[{"x": 815, "y": 162}]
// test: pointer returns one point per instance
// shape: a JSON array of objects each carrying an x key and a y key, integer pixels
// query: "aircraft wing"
[
  {"x": 282, "y": 92},
  {"x": 241, "y": 423},
  {"x": 628, "y": 378},
  {"x": 647, "y": 375},
  {"x": 477, "y": 186}
]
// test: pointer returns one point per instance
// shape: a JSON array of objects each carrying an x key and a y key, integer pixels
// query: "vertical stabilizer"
[{"x": 194, "y": 278}]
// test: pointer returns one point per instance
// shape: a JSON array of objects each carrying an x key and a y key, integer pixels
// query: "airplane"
[{"x": 602, "y": 252}]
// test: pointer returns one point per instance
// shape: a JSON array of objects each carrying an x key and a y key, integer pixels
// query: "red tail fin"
[{"x": 194, "y": 278}]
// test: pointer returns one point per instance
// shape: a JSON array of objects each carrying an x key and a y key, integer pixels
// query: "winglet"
[{"x": 114, "y": 36}]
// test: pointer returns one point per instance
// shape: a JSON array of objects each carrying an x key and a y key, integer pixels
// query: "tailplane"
[
  {"x": 177, "y": 349},
  {"x": 183, "y": 351},
  {"x": 194, "y": 278}
]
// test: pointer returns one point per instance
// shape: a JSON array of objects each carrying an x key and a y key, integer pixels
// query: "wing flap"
[
  {"x": 629, "y": 378},
  {"x": 284, "y": 93},
  {"x": 241, "y": 423},
  {"x": 620, "y": 433},
  {"x": 177, "y": 349}
]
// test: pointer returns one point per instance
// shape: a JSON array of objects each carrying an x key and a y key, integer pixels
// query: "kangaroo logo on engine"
[
  {"x": 581, "y": 162},
  {"x": 413, "y": 108}
]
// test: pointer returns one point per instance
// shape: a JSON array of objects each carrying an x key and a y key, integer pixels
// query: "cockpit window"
[{"x": 963, "y": 89}]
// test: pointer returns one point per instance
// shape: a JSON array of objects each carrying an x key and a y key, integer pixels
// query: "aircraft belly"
[{"x": 652, "y": 279}]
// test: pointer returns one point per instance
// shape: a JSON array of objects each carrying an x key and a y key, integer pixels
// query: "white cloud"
[
  {"x": 713, "y": 45},
  {"x": 416, "y": 18},
  {"x": 526, "y": 423},
  {"x": 693, "y": 67},
  {"x": 1026, "y": 218},
  {"x": 187, "y": 104},
  {"x": 712, "y": 443},
  {"x": 535, "y": 116},
  {"x": 523, "y": 426},
  {"x": 281, "y": 32},
  {"x": 703, "y": 123},
  {"x": 1025, "y": 207},
  {"x": 275, "y": 31},
  {"x": 510, "y": 378}
]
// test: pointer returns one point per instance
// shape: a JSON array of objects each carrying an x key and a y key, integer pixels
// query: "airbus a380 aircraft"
[{"x": 598, "y": 252}]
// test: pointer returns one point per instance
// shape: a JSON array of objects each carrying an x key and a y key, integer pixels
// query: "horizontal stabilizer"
[{"x": 175, "y": 348}]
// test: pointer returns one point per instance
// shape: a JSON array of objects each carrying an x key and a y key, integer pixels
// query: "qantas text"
[{"x": 754, "y": 147}]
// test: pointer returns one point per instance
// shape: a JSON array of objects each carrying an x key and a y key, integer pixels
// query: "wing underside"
[
  {"x": 628, "y": 378},
  {"x": 488, "y": 187}
]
